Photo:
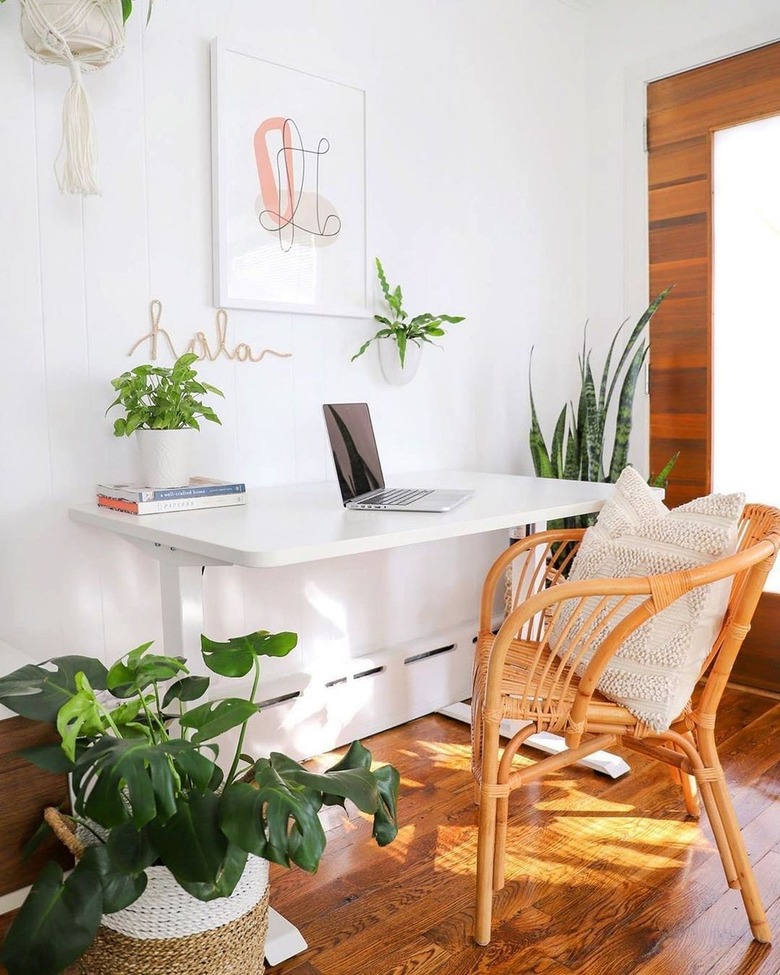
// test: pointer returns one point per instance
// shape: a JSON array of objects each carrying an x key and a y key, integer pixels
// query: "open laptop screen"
[{"x": 354, "y": 449}]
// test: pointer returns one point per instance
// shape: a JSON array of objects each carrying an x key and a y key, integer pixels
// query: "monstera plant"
[{"x": 148, "y": 789}]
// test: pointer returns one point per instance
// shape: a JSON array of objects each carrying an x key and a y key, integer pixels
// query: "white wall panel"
[{"x": 475, "y": 188}]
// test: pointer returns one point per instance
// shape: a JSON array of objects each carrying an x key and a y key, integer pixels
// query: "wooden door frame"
[{"x": 683, "y": 112}]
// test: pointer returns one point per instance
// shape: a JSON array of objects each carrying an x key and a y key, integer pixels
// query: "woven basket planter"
[{"x": 169, "y": 932}]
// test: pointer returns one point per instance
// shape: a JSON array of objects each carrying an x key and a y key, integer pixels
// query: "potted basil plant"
[
  {"x": 149, "y": 795},
  {"x": 162, "y": 405},
  {"x": 400, "y": 340}
]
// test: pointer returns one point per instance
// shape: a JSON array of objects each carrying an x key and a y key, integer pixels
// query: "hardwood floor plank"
[{"x": 604, "y": 877}]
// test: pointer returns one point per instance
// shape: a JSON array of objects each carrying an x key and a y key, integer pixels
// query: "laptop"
[{"x": 359, "y": 472}]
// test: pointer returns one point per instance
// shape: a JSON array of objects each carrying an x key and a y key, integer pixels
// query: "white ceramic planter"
[
  {"x": 165, "y": 456},
  {"x": 390, "y": 361},
  {"x": 95, "y": 34}
]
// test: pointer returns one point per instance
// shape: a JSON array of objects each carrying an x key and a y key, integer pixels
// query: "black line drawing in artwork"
[{"x": 303, "y": 211}]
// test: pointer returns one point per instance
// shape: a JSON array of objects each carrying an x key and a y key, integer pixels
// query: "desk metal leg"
[{"x": 181, "y": 592}]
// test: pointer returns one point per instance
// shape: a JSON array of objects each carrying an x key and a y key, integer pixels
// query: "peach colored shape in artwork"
[{"x": 271, "y": 193}]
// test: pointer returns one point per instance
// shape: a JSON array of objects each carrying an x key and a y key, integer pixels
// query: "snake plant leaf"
[
  {"x": 38, "y": 691},
  {"x": 56, "y": 924},
  {"x": 214, "y": 718},
  {"x": 186, "y": 689},
  {"x": 571, "y": 467},
  {"x": 539, "y": 454},
  {"x": 606, "y": 370},
  {"x": 590, "y": 427},
  {"x": 661, "y": 479},
  {"x": 196, "y": 850},
  {"x": 644, "y": 319},
  {"x": 556, "y": 448},
  {"x": 625, "y": 408},
  {"x": 237, "y": 657}
]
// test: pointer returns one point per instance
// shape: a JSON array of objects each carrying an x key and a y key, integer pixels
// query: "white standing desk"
[{"x": 304, "y": 523}]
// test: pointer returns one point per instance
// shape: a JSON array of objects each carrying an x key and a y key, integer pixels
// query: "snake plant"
[{"x": 578, "y": 444}]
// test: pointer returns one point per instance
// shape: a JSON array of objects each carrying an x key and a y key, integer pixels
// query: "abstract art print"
[{"x": 289, "y": 188}]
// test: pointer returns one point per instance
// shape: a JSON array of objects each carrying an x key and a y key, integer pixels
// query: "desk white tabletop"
[{"x": 306, "y": 522}]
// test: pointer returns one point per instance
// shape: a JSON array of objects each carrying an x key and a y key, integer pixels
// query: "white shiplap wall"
[{"x": 475, "y": 142}]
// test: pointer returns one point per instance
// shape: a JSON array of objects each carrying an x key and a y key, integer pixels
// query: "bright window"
[{"x": 746, "y": 313}]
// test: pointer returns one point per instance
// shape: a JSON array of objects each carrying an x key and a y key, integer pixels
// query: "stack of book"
[{"x": 201, "y": 492}]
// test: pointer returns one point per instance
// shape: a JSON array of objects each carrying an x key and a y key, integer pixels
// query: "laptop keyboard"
[{"x": 399, "y": 496}]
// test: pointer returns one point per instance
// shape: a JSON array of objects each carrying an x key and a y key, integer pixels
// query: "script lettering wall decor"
[{"x": 203, "y": 347}]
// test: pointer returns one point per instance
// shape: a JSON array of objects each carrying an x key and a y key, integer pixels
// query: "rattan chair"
[{"x": 518, "y": 676}]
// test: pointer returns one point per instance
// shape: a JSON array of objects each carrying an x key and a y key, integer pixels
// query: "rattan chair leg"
[
  {"x": 485, "y": 860},
  {"x": 499, "y": 849},
  {"x": 719, "y": 832},
  {"x": 689, "y": 786},
  {"x": 746, "y": 881},
  {"x": 502, "y": 806}
]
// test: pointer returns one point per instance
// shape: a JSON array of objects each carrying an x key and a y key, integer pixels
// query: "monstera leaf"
[
  {"x": 38, "y": 691},
  {"x": 56, "y": 924},
  {"x": 276, "y": 816},
  {"x": 276, "y": 820},
  {"x": 119, "y": 779},
  {"x": 237, "y": 657},
  {"x": 196, "y": 851}
]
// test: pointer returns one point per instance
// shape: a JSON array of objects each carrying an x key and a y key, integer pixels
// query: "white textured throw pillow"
[{"x": 654, "y": 672}]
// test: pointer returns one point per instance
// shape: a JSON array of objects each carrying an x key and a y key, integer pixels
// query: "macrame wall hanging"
[{"x": 82, "y": 35}]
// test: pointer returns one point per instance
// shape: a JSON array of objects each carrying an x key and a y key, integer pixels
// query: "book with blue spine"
[{"x": 198, "y": 487}]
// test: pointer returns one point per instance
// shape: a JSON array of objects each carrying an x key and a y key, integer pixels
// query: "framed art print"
[{"x": 289, "y": 188}]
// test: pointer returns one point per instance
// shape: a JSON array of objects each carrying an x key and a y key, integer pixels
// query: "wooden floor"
[{"x": 604, "y": 877}]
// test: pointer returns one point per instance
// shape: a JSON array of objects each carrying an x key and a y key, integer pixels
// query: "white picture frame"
[{"x": 289, "y": 188}]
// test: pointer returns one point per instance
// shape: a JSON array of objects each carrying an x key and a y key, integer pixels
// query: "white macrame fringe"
[
  {"x": 76, "y": 166},
  {"x": 79, "y": 43}
]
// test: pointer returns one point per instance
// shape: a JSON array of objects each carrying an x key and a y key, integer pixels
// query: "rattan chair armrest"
[{"x": 497, "y": 571}]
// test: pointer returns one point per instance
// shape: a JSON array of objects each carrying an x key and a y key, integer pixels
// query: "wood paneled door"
[{"x": 683, "y": 112}]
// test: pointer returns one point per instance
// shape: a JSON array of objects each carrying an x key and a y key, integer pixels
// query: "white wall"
[
  {"x": 628, "y": 45},
  {"x": 476, "y": 188}
]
